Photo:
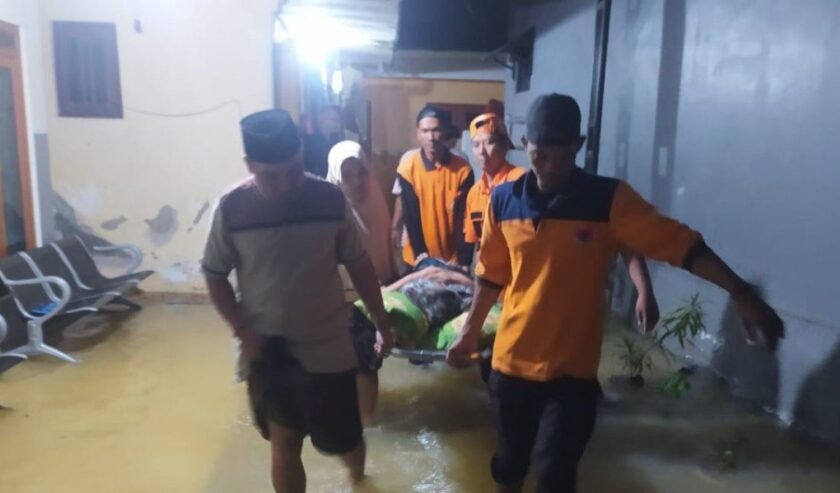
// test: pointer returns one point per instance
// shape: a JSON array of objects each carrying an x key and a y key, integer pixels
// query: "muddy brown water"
[{"x": 153, "y": 408}]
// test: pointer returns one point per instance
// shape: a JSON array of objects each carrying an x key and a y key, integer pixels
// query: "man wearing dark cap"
[
  {"x": 433, "y": 185},
  {"x": 550, "y": 238},
  {"x": 285, "y": 232},
  {"x": 328, "y": 132}
]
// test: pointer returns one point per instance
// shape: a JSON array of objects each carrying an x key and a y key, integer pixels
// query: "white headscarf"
[{"x": 372, "y": 215}]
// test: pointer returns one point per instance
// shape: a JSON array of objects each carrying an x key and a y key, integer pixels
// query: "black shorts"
[
  {"x": 363, "y": 333},
  {"x": 547, "y": 423},
  {"x": 322, "y": 405}
]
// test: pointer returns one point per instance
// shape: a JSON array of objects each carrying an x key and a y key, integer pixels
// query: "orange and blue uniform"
[
  {"x": 554, "y": 255},
  {"x": 433, "y": 196},
  {"x": 479, "y": 196}
]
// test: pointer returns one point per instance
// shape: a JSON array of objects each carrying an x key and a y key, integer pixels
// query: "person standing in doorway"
[
  {"x": 327, "y": 132},
  {"x": 432, "y": 186},
  {"x": 285, "y": 233},
  {"x": 452, "y": 141},
  {"x": 550, "y": 238}
]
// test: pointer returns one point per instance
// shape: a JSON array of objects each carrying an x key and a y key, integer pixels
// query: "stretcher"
[{"x": 430, "y": 355}]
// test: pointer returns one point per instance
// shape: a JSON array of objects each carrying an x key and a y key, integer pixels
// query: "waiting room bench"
[{"x": 60, "y": 282}]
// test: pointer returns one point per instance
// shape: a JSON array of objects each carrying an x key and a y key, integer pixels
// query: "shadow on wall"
[
  {"x": 67, "y": 225},
  {"x": 751, "y": 371},
  {"x": 817, "y": 407},
  {"x": 667, "y": 103}
]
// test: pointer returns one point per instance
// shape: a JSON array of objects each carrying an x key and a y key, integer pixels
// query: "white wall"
[{"x": 209, "y": 58}]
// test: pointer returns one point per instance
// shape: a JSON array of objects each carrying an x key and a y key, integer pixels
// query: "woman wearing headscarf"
[{"x": 349, "y": 168}]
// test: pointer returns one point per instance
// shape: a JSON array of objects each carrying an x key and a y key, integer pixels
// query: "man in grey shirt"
[{"x": 285, "y": 232}]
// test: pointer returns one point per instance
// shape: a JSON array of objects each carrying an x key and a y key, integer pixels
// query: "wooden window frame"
[{"x": 65, "y": 34}]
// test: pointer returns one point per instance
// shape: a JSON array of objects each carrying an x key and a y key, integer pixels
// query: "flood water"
[{"x": 153, "y": 408}]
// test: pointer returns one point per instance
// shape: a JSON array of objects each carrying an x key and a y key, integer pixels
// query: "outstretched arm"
[
  {"x": 639, "y": 227},
  {"x": 761, "y": 322}
]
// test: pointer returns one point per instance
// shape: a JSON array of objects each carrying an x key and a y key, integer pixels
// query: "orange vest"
[
  {"x": 479, "y": 196},
  {"x": 440, "y": 190}
]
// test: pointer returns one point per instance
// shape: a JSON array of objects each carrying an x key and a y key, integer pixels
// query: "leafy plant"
[
  {"x": 676, "y": 385},
  {"x": 682, "y": 324},
  {"x": 634, "y": 357}
]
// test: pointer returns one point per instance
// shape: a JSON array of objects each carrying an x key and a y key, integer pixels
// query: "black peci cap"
[
  {"x": 553, "y": 119},
  {"x": 270, "y": 136}
]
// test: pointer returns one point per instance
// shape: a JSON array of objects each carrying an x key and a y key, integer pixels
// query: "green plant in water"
[
  {"x": 634, "y": 358},
  {"x": 677, "y": 384},
  {"x": 682, "y": 324}
]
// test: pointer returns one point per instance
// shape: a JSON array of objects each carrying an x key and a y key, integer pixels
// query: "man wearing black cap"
[
  {"x": 285, "y": 232},
  {"x": 433, "y": 185},
  {"x": 551, "y": 237},
  {"x": 328, "y": 132}
]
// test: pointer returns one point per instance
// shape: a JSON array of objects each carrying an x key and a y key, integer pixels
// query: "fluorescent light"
[{"x": 316, "y": 35}]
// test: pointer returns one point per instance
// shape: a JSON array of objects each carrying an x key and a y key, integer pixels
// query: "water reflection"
[{"x": 152, "y": 408}]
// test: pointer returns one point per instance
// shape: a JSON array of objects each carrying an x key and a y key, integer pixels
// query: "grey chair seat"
[
  {"x": 32, "y": 331},
  {"x": 10, "y": 322},
  {"x": 78, "y": 258},
  {"x": 36, "y": 298}
]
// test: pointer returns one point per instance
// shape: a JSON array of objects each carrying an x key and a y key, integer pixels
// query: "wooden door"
[{"x": 17, "y": 227}]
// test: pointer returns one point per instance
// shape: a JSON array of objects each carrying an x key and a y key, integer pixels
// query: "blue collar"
[{"x": 541, "y": 201}]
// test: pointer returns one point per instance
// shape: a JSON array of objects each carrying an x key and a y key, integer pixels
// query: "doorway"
[{"x": 17, "y": 228}]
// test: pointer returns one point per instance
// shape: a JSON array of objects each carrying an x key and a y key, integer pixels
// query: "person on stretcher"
[{"x": 426, "y": 305}]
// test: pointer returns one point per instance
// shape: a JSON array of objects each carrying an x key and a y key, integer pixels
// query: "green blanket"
[
  {"x": 411, "y": 329},
  {"x": 408, "y": 323},
  {"x": 450, "y": 330}
]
